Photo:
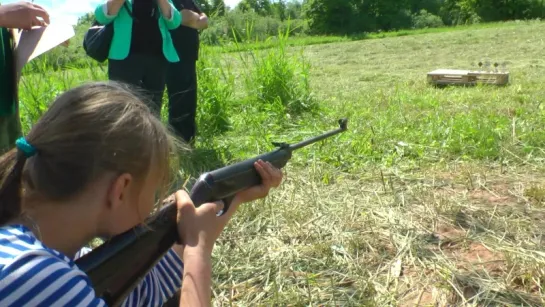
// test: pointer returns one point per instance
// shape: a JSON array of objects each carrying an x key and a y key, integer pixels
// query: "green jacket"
[{"x": 121, "y": 41}]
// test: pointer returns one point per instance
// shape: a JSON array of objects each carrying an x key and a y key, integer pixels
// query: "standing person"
[
  {"x": 22, "y": 15},
  {"x": 141, "y": 46},
  {"x": 182, "y": 76}
]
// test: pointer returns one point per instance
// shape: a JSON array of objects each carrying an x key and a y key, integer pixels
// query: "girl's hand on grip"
[
  {"x": 271, "y": 178},
  {"x": 199, "y": 228}
]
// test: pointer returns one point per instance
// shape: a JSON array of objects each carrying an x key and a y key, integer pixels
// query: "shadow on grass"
[{"x": 472, "y": 85}]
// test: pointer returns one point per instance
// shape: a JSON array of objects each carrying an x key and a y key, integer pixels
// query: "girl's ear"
[
  {"x": 119, "y": 214},
  {"x": 119, "y": 192}
]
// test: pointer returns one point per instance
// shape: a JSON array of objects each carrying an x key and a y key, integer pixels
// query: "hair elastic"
[{"x": 24, "y": 146}]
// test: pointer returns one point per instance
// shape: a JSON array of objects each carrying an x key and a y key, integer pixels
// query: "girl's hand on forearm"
[{"x": 199, "y": 229}]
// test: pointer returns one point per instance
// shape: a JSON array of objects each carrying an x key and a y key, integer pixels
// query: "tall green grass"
[{"x": 278, "y": 81}]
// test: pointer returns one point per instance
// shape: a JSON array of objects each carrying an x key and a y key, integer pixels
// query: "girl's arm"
[
  {"x": 197, "y": 280},
  {"x": 199, "y": 228}
]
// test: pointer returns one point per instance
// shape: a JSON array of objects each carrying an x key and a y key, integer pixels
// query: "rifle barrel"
[{"x": 342, "y": 124}]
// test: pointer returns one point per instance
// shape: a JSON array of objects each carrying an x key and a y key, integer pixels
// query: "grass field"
[{"x": 434, "y": 197}]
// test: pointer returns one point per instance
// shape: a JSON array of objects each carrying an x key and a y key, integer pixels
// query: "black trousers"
[
  {"x": 182, "y": 97},
  {"x": 146, "y": 72}
]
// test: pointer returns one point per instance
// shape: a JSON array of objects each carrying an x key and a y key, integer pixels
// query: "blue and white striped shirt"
[{"x": 32, "y": 274}]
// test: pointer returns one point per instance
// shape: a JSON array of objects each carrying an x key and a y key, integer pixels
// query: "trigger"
[{"x": 226, "y": 204}]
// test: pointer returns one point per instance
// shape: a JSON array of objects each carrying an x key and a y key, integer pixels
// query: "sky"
[{"x": 68, "y": 11}]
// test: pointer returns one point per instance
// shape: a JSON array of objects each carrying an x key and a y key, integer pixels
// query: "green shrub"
[
  {"x": 279, "y": 81},
  {"x": 215, "y": 90},
  {"x": 248, "y": 26},
  {"x": 424, "y": 19}
]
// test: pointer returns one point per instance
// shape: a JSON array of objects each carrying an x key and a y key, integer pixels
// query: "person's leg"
[
  {"x": 182, "y": 95},
  {"x": 154, "y": 81},
  {"x": 127, "y": 71},
  {"x": 145, "y": 72}
]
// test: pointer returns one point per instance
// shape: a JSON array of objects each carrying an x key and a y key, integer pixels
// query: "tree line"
[
  {"x": 357, "y": 16},
  {"x": 360, "y": 16}
]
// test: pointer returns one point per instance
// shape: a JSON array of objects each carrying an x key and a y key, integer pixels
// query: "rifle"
[{"x": 116, "y": 267}]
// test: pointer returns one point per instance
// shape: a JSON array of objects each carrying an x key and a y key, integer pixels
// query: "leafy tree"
[
  {"x": 261, "y": 7},
  {"x": 218, "y": 6},
  {"x": 330, "y": 16},
  {"x": 279, "y": 9},
  {"x": 86, "y": 19},
  {"x": 205, "y": 6}
]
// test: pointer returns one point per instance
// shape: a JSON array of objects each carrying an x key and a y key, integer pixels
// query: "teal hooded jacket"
[{"x": 121, "y": 41}]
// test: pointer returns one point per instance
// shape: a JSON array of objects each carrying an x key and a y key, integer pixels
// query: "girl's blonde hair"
[{"x": 88, "y": 130}]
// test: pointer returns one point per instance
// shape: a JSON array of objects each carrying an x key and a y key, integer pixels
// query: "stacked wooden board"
[{"x": 467, "y": 77}]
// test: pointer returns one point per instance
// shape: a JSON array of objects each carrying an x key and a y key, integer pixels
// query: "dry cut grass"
[{"x": 454, "y": 235}]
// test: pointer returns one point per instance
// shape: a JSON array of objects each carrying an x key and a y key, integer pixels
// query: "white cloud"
[
  {"x": 231, "y": 3},
  {"x": 69, "y": 10}
]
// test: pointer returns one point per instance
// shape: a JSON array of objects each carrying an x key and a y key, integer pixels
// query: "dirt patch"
[
  {"x": 476, "y": 257},
  {"x": 484, "y": 196},
  {"x": 499, "y": 193},
  {"x": 426, "y": 297},
  {"x": 473, "y": 257},
  {"x": 467, "y": 254},
  {"x": 488, "y": 186},
  {"x": 449, "y": 233}
]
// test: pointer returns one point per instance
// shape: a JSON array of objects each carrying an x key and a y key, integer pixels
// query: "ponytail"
[{"x": 12, "y": 164}]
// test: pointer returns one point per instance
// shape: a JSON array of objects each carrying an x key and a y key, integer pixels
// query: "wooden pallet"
[{"x": 467, "y": 77}]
